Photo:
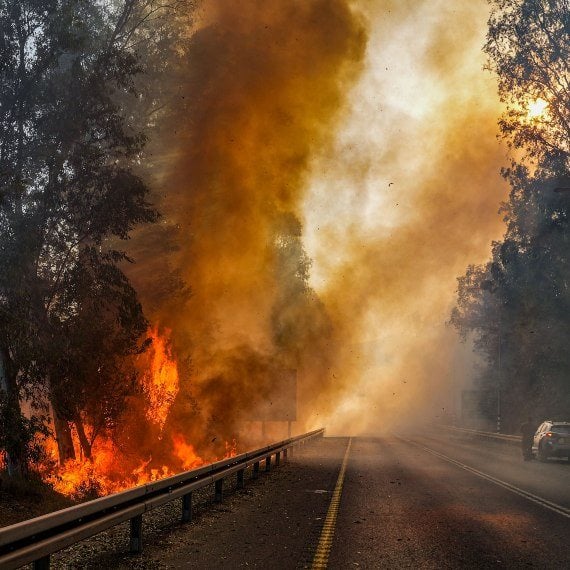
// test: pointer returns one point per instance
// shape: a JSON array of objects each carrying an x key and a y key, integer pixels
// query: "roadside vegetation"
[
  {"x": 516, "y": 307},
  {"x": 75, "y": 117}
]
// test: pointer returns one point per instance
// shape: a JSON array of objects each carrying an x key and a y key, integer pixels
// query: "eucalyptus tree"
[
  {"x": 517, "y": 306},
  {"x": 70, "y": 147},
  {"x": 528, "y": 44}
]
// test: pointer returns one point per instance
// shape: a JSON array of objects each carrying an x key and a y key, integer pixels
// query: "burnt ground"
[{"x": 21, "y": 500}]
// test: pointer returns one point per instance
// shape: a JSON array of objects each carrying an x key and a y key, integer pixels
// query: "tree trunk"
[
  {"x": 15, "y": 454},
  {"x": 63, "y": 437},
  {"x": 83, "y": 439}
]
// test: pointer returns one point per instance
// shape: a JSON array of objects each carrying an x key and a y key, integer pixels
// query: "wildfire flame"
[
  {"x": 107, "y": 472},
  {"x": 162, "y": 382},
  {"x": 101, "y": 476},
  {"x": 186, "y": 453}
]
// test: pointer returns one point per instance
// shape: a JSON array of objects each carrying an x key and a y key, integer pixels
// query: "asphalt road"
[
  {"x": 438, "y": 500},
  {"x": 403, "y": 506}
]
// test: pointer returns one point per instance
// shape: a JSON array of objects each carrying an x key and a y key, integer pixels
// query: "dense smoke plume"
[
  {"x": 374, "y": 124},
  {"x": 406, "y": 197},
  {"x": 261, "y": 93}
]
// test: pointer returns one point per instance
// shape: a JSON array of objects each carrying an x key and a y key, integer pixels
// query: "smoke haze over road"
[
  {"x": 372, "y": 124},
  {"x": 402, "y": 201}
]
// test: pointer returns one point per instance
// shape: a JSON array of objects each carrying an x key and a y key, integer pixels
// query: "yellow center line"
[{"x": 325, "y": 541}]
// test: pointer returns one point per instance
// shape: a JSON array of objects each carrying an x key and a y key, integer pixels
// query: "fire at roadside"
[
  {"x": 219, "y": 266},
  {"x": 110, "y": 463}
]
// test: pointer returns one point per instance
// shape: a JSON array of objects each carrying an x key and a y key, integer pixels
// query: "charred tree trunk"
[
  {"x": 12, "y": 415},
  {"x": 83, "y": 439},
  {"x": 63, "y": 437}
]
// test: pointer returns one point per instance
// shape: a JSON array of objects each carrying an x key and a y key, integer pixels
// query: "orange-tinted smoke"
[
  {"x": 260, "y": 92},
  {"x": 373, "y": 122},
  {"x": 415, "y": 186}
]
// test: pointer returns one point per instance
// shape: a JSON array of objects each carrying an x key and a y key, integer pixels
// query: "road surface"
[{"x": 435, "y": 500}]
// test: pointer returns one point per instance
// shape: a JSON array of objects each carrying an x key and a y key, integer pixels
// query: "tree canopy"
[
  {"x": 529, "y": 50},
  {"x": 69, "y": 192},
  {"x": 516, "y": 307}
]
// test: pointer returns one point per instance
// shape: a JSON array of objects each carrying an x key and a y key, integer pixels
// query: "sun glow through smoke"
[{"x": 537, "y": 108}]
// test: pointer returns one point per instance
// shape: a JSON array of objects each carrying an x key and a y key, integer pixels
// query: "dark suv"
[{"x": 552, "y": 439}]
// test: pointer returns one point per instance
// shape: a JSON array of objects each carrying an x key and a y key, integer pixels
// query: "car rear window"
[{"x": 560, "y": 429}]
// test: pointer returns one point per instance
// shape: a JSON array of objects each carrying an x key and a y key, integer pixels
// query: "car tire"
[{"x": 542, "y": 453}]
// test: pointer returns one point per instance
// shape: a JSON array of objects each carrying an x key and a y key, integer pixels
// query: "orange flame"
[
  {"x": 186, "y": 453},
  {"x": 161, "y": 383},
  {"x": 231, "y": 449},
  {"x": 80, "y": 478},
  {"x": 109, "y": 470}
]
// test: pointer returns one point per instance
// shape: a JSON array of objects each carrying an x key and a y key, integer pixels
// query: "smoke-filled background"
[
  {"x": 330, "y": 169},
  {"x": 404, "y": 199}
]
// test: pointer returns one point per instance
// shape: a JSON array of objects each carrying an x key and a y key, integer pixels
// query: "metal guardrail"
[
  {"x": 514, "y": 439},
  {"x": 36, "y": 539}
]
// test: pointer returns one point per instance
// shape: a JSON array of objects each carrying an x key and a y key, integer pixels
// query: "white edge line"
[{"x": 531, "y": 497}]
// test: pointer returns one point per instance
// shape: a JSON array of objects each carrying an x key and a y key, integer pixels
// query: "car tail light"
[{"x": 549, "y": 434}]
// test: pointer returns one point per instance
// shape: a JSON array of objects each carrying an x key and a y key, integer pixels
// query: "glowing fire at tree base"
[{"x": 110, "y": 468}]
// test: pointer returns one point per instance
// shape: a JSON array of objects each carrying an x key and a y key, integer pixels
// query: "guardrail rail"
[
  {"x": 34, "y": 540},
  {"x": 514, "y": 439}
]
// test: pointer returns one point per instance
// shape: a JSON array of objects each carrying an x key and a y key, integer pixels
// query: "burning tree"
[
  {"x": 85, "y": 83},
  {"x": 69, "y": 319}
]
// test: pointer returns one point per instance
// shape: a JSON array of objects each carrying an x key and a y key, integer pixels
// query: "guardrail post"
[
  {"x": 28, "y": 543},
  {"x": 240, "y": 474},
  {"x": 219, "y": 492},
  {"x": 187, "y": 507},
  {"x": 42, "y": 563},
  {"x": 136, "y": 534}
]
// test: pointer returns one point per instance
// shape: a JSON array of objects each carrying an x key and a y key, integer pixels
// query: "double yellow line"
[{"x": 325, "y": 541}]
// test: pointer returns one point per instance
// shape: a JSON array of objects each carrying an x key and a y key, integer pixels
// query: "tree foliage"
[
  {"x": 70, "y": 150},
  {"x": 516, "y": 307},
  {"x": 529, "y": 49}
]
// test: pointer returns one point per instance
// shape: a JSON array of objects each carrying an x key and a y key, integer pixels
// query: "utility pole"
[{"x": 499, "y": 381}]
